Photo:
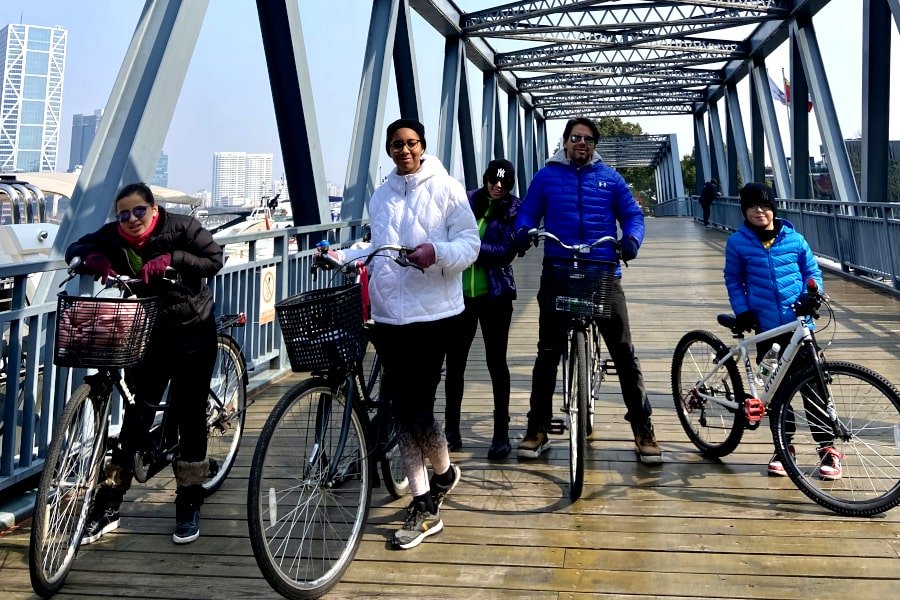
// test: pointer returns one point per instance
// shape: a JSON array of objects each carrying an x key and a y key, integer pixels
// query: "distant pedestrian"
[
  {"x": 488, "y": 290},
  {"x": 707, "y": 195}
]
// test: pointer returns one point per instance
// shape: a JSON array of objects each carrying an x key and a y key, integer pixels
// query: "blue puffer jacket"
[
  {"x": 768, "y": 281},
  {"x": 579, "y": 204}
]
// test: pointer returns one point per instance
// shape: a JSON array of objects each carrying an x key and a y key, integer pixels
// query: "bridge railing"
[
  {"x": 33, "y": 390},
  {"x": 862, "y": 239}
]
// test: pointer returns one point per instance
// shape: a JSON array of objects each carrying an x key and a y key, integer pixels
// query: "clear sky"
[{"x": 226, "y": 103}]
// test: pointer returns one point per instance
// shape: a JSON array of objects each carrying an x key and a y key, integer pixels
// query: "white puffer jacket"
[{"x": 426, "y": 206}]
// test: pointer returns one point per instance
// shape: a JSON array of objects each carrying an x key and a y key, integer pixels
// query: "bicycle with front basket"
[
  {"x": 315, "y": 462},
  {"x": 583, "y": 287},
  {"x": 827, "y": 407},
  {"x": 108, "y": 334}
]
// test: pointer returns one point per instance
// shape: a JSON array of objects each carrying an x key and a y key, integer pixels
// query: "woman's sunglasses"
[{"x": 139, "y": 213}]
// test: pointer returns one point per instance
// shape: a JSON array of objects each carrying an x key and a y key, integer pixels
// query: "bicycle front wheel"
[
  {"x": 225, "y": 409},
  {"x": 70, "y": 476},
  {"x": 308, "y": 500},
  {"x": 715, "y": 429},
  {"x": 866, "y": 450},
  {"x": 597, "y": 375},
  {"x": 579, "y": 391}
]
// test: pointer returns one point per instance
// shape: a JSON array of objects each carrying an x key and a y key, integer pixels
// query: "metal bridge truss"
[{"x": 540, "y": 60}]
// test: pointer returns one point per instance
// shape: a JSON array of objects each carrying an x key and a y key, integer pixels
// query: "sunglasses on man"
[{"x": 589, "y": 140}]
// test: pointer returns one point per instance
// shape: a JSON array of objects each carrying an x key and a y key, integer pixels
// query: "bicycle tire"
[
  {"x": 63, "y": 501},
  {"x": 597, "y": 376},
  {"x": 393, "y": 471},
  {"x": 225, "y": 409},
  {"x": 868, "y": 406},
  {"x": 578, "y": 401},
  {"x": 290, "y": 494},
  {"x": 714, "y": 429}
]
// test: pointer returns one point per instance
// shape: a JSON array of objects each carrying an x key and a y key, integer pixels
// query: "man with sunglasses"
[{"x": 580, "y": 199}]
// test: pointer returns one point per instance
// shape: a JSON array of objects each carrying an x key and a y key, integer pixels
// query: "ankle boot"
[{"x": 500, "y": 447}]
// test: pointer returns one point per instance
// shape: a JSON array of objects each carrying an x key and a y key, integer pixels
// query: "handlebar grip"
[{"x": 811, "y": 286}]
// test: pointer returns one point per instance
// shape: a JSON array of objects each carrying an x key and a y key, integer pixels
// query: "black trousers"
[
  {"x": 185, "y": 356},
  {"x": 616, "y": 334},
  {"x": 706, "y": 206},
  {"x": 495, "y": 316},
  {"x": 412, "y": 356}
]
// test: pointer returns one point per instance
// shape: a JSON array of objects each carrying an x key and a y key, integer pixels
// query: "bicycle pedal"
[
  {"x": 754, "y": 410},
  {"x": 609, "y": 367},
  {"x": 556, "y": 427}
]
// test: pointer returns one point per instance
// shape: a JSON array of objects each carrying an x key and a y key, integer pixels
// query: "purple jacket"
[{"x": 497, "y": 248}]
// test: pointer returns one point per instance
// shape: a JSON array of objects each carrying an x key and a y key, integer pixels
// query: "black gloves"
[
  {"x": 522, "y": 240},
  {"x": 629, "y": 247},
  {"x": 746, "y": 320}
]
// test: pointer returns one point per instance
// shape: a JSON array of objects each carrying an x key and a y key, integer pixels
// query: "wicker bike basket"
[
  {"x": 584, "y": 287},
  {"x": 95, "y": 332},
  {"x": 323, "y": 328}
]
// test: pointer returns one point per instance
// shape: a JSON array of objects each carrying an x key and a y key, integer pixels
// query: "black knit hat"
[
  {"x": 404, "y": 124},
  {"x": 501, "y": 170},
  {"x": 757, "y": 193}
]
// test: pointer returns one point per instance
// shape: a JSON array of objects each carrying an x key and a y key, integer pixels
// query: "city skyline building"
[
  {"x": 32, "y": 69},
  {"x": 84, "y": 129},
  {"x": 161, "y": 172},
  {"x": 241, "y": 179}
]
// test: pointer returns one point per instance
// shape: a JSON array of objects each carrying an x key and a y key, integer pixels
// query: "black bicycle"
[
  {"x": 108, "y": 334},
  {"x": 316, "y": 459}
]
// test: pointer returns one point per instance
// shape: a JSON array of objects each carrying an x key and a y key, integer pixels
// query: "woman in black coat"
[{"x": 142, "y": 242}]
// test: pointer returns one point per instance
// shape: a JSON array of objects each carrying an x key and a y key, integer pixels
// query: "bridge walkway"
[{"x": 688, "y": 528}]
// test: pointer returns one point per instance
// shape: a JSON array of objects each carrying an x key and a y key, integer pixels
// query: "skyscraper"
[
  {"x": 161, "y": 173},
  {"x": 241, "y": 179},
  {"x": 32, "y": 67},
  {"x": 84, "y": 128}
]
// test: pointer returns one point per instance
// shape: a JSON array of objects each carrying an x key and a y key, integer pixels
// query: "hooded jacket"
[
  {"x": 425, "y": 206},
  {"x": 497, "y": 248},
  {"x": 768, "y": 281},
  {"x": 195, "y": 255},
  {"x": 580, "y": 204}
]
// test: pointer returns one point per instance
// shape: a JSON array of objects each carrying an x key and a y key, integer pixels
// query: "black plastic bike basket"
[
  {"x": 94, "y": 332},
  {"x": 323, "y": 328},
  {"x": 584, "y": 288}
]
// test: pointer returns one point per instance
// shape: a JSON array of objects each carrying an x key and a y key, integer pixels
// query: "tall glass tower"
[
  {"x": 32, "y": 66},
  {"x": 84, "y": 129}
]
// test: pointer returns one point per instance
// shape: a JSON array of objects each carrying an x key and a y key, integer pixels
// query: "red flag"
[{"x": 787, "y": 93}]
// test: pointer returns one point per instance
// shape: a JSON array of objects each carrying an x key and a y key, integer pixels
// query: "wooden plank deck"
[{"x": 688, "y": 528}]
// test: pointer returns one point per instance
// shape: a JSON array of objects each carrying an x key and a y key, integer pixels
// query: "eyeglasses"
[
  {"x": 762, "y": 207},
  {"x": 139, "y": 213},
  {"x": 501, "y": 182},
  {"x": 398, "y": 145},
  {"x": 589, "y": 140}
]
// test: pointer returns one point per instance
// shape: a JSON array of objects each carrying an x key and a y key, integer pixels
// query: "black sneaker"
[
  {"x": 440, "y": 490},
  {"x": 100, "y": 523},
  {"x": 187, "y": 525},
  {"x": 420, "y": 523},
  {"x": 499, "y": 449}
]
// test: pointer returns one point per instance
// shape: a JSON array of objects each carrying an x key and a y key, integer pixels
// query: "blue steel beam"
[
  {"x": 826, "y": 115},
  {"x": 763, "y": 99},
  {"x": 718, "y": 143},
  {"x": 876, "y": 86},
  {"x": 362, "y": 165},
  {"x": 405, "y": 75},
  {"x": 799, "y": 124},
  {"x": 736, "y": 127},
  {"x": 453, "y": 59},
  {"x": 702, "y": 160},
  {"x": 136, "y": 118},
  {"x": 295, "y": 114},
  {"x": 512, "y": 130},
  {"x": 467, "y": 132},
  {"x": 488, "y": 106}
]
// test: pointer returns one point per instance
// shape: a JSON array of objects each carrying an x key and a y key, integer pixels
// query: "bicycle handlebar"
[
  {"x": 122, "y": 282},
  {"x": 537, "y": 234},
  {"x": 326, "y": 261}
]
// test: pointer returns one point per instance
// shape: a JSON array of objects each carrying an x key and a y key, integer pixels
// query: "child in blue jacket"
[{"x": 767, "y": 265}]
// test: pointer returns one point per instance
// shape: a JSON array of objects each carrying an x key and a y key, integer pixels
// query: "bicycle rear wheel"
[
  {"x": 225, "y": 409},
  {"x": 714, "y": 429},
  {"x": 393, "y": 472},
  {"x": 70, "y": 476},
  {"x": 579, "y": 391},
  {"x": 307, "y": 504},
  {"x": 867, "y": 406}
]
